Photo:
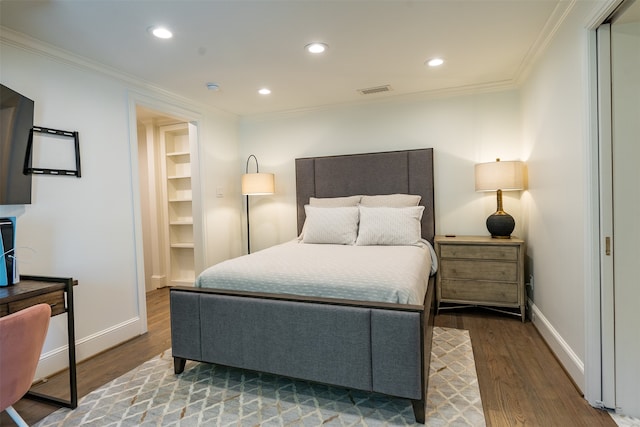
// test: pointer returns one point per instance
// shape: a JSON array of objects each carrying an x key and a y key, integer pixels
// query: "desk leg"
[
  {"x": 71, "y": 330},
  {"x": 73, "y": 383}
]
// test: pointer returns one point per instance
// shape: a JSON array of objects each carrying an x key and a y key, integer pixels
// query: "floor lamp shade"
[
  {"x": 254, "y": 184},
  {"x": 500, "y": 176}
]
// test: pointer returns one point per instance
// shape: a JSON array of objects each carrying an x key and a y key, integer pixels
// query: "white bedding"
[{"x": 394, "y": 274}]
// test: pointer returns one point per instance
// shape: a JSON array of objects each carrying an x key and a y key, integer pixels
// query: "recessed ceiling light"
[
  {"x": 434, "y": 62},
  {"x": 264, "y": 91},
  {"x": 316, "y": 47},
  {"x": 161, "y": 32},
  {"x": 213, "y": 86}
]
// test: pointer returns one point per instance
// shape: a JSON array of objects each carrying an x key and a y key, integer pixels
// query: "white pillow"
[
  {"x": 335, "y": 202},
  {"x": 391, "y": 200},
  {"x": 390, "y": 226},
  {"x": 337, "y": 226}
]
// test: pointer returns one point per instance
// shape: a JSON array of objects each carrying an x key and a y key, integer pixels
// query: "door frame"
[
  {"x": 194, "y": 119},
  {"x": 599, "y": 287}
]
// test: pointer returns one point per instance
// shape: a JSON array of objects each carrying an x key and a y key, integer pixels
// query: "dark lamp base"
[{"x": 501, "y": 225}]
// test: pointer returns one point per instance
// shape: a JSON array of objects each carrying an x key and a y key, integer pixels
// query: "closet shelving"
[{"x": 180, "y": 251}]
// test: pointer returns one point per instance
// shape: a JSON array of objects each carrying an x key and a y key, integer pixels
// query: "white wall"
[
  {"x": 145, "y": 151},
  {"x": 220, "y": 187},
  {"x": 80, "y": 227},
  {"x": 555, "y": 103},
  {"x": 84, "y": 227},
  {"x": 463, "y": 130}
]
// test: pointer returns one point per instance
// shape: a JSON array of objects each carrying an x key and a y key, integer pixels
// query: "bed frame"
[{"x": 377, "y": 347}]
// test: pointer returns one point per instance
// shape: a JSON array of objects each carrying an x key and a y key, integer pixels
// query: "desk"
[{"x": 32, "y": 290}]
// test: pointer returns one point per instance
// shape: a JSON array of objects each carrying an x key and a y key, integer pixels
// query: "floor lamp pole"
[{"x": 248, "y": 232}]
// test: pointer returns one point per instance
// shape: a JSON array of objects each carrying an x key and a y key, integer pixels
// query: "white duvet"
[{"x": 394, "y": 274}]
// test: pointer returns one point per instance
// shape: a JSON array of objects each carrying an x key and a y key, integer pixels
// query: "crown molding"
[
  {"x": 489, "y": 87},
  {"x": 24, "y": 42},
  {"x": 601, "y": 14},
  {"x": 551, "y": 27}
]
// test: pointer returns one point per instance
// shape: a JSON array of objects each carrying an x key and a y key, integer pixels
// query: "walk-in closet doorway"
[{"x": 167, "y": 205}]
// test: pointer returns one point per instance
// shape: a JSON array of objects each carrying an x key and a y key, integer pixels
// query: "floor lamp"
[{"x": 255, "y": 184}]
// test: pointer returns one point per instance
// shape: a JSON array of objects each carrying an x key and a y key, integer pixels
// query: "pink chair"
[{"x": 22, "y": 336}]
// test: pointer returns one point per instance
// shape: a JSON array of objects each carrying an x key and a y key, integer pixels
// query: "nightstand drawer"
[
  {"x": 479, "y": 270},
  {"x": 54, "y": 299},
  {"x": 477, "y": 291},
  {"x": 506, "y": 253}
]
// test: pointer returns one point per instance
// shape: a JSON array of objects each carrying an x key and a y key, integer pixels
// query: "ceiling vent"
[{"x": 377, "y": 89}]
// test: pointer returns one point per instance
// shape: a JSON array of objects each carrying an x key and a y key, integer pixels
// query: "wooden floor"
[{"x": 521, "y": 383}]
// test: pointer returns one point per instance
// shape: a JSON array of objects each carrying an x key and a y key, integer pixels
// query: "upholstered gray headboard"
[{"x": 405, "y": 172}]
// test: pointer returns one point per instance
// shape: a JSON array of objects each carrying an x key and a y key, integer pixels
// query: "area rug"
[
  {"x": 625, "y": 420},
  {"x": 211, "y": 395}
]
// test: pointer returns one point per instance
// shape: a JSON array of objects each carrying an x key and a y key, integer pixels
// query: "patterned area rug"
[
  {"x": 211, "y": 395},
  {"x": 625, "y": 420}
]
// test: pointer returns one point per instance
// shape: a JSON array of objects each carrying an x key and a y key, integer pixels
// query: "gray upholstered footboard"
[{"x": 383, "y": 348}]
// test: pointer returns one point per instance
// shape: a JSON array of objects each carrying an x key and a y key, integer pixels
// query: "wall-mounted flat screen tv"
[{"x": 16, "y": 120}]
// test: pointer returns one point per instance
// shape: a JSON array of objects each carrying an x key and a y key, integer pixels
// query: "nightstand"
[{"x": 481, "y": 271}]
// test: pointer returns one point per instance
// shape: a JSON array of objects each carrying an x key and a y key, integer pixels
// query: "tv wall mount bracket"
[{"x": 46, "y": 171}]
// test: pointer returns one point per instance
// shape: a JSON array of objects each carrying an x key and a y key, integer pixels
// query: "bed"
[{"x": 371, "y": 345}]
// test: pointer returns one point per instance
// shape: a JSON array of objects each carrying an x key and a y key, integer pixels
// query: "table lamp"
[{"x": 500, "y": 176}]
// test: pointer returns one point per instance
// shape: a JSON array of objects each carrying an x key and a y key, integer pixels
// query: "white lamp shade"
[
  {"x": 257, "y": 184},
  {"x": 505, "y": 176}
]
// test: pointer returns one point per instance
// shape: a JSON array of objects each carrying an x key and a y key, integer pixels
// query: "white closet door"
[
  {"x": 625, "y": 87},
  {"x": 607, "y": 397}
]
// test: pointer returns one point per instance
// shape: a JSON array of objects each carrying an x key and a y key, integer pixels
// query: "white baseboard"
[
  {"x": 158, "y": 281},
  {"x": 57, "y": 359},
  {"x": 565, "y": 354}
]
